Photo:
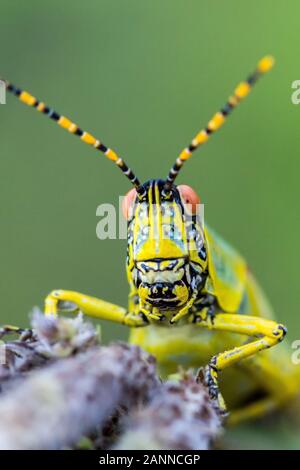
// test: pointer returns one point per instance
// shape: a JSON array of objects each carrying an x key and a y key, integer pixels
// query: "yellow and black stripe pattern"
[
  {"x": 241, "y": 91},
  {"x": 73, "y": 128}
]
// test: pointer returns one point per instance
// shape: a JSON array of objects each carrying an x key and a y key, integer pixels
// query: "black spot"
[
  {"x": 101, "y": 147},
  {"x": 54, "y": 115},
  {"x": 78, "y": 132},
  {"x": 227, "y": 108}
]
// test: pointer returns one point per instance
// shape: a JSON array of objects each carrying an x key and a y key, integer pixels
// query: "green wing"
[{"x": 227, "y": 272}]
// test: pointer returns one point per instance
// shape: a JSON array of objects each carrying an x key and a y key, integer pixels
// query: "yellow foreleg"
[{"x": 92, "y": 307}]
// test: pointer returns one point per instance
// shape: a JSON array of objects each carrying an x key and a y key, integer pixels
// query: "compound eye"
[
  {"x": 189, "y": 197},
  {"x": 128, "y": 202}
]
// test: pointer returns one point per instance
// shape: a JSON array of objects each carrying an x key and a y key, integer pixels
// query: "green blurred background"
[{"x": 145, "y": 76}]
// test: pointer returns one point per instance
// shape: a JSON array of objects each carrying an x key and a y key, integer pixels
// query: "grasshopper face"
[
  {"x": 164, "y": 284},
  {"x": 159, "y": 257}
]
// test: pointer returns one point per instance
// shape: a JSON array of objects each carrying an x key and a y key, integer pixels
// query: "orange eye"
[
  {"x": 189, "y": 196},
  {"x": 128, "y": 202}
]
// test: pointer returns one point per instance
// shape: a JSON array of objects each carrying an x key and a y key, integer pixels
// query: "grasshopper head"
[{"x": 160, "y": 261}]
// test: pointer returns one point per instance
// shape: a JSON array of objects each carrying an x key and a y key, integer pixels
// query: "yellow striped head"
[{"x": 161, "y": 263}]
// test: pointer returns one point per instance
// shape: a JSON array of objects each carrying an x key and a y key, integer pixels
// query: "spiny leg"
[
  {"x": 269, "y": 331},
  {"x": 93, "y": 307}
]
